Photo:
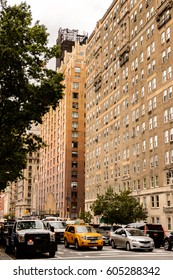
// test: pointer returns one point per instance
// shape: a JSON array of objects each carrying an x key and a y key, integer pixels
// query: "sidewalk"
[{"x": 3, "y": 255}]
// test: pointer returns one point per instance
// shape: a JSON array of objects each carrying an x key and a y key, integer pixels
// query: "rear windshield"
[{"x": 154, "y": 227}]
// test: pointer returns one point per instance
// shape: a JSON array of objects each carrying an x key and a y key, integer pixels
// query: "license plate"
[{"x": 93, "y": 241}]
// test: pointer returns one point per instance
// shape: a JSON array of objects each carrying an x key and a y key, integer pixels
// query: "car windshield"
[
  {"x": 30, "y": 224},
  {"x": 135, "y": 232},
  {"x": 58, "y": 225},
  {"x": 84, "y": 229}
]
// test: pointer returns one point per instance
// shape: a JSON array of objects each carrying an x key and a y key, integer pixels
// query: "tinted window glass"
[{"x": 154, "y": 227}]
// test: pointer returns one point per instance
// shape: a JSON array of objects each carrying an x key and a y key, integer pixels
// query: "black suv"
[
  {"x": 168, "y": 242},
  {"x": 155, "y": 231}
]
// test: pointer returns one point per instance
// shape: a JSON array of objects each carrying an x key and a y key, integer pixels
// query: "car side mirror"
[{"x": 123, "y": 234}]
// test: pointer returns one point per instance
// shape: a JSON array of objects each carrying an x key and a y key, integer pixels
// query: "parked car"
[
  {"x": 168, "y": 242},
  {"x": 82, "y": 235},
  {"x": 6, "y": 230},
  {"x": 105, "y": 235},
  {"x": 155, "y": 231},
  {"x": 109, "y": 228},
  {"x": 58, "y": 227},
  {"x": 30, "y": 236},
  {"x": 131, "y": 238}
]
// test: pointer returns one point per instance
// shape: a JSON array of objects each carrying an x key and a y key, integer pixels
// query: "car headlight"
[
  {"x": 134, "y": 240},
  {"x": 21, "y": 238},
  {"x": 83, "y": 237},
  {"x": 52, "y": 236}
]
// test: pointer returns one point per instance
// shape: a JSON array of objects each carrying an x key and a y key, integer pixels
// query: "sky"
[{"x": 80, "y": 15}]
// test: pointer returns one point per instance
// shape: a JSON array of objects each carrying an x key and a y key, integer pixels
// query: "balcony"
[
  {"x": 124, "y": 59},
  {"x": 168, "y": 210},
  {"x": 164, "y": 21},
  {"x": 164, "y": 6}
]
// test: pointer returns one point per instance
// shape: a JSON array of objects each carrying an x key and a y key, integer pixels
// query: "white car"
[
  {"x": 58, "y": 227},
  {"x": 131, "y": 239}
]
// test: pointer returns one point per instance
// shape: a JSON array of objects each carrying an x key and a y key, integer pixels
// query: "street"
[
  {"x": 110, "y": 254},
  {"x": 106, "y": 254}
]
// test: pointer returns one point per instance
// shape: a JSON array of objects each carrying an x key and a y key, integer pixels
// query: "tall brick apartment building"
[
  {"x": 62, "y": 170},
  {"x": 129, "y": 105}
]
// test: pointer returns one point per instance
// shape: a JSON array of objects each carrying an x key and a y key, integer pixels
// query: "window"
[
  {"x": 75, "y": 95},
  {"x": 169, "y": 52},
  {"x": 74, "y": 195},
  {"x": 166, "y": 136},
  {"x": 171, "y": 113},
  {"x": 151, "y": 143},
  {"x": 74, "y": 144},
  {"x": 152, "y": 182},
  {"x": 74, "y": 174},
  {"x": 153, "y": 47},
  {"x": 74, "y": 154},
  {"x": 164, "y": 76},
  {"x": 156, "y": 161},
  {"x": 168, "y": 199},
  {"x": 169, "y": 223},
  {"x": 150, "y": 123},
  {"x": 155, "y": 141},
  {"x": 74, "y": 134},
  {"x": 170, "y": 95},
  {"x": 152, "y": 201},
  {"x": 75, "y": 85},
  {"x": 163, "y": 37},
  {"x": 169, "y": 72},
  {"x": 157, "y": 200},
  {"x": 163, "y": 56},
  {"x": 166, "y": 157},
  {"x": 74, "y": 164},
  {"x": 168, "y": 33},
  {"x": 75, "y": 105},
  {"x": 77, "y": 70},
  {"x": 155, "y": 121},
  {"x": 171, "y": 135},
  {"x": 144, "y": 183},
  {"x": 75, "y": 124},
  {"x": 75, "y": 115},
  {"x": 142, "y": 92},
  {"x": 148, "y": 51},
  {"x": 74, "y": 185}
]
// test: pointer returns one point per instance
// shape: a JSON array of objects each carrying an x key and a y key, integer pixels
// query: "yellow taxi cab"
[{"x": 82, "y": 235}]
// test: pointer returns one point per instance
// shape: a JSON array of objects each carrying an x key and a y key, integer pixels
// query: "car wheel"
[
  {"x": 128, "y": 248},
  {"x": 167, "y": 246},
  {"x": 99, "y": 248},
  {"x": 17, "y": 253},
  {"x": 52, "y": 254},
  {"x": 113, "y": 244},
  {"x": 76, "y": 244},
  {"x": 66, "y": 243}
]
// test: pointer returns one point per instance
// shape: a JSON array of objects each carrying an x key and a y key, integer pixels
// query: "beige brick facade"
[{"x": 129, "y": 106}]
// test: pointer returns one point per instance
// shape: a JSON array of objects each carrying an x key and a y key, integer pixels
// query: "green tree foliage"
[
  {"x": 119, "y": 208},
  {"x": 27, "y": 88},
  {"x": 86, "y": 216}
]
